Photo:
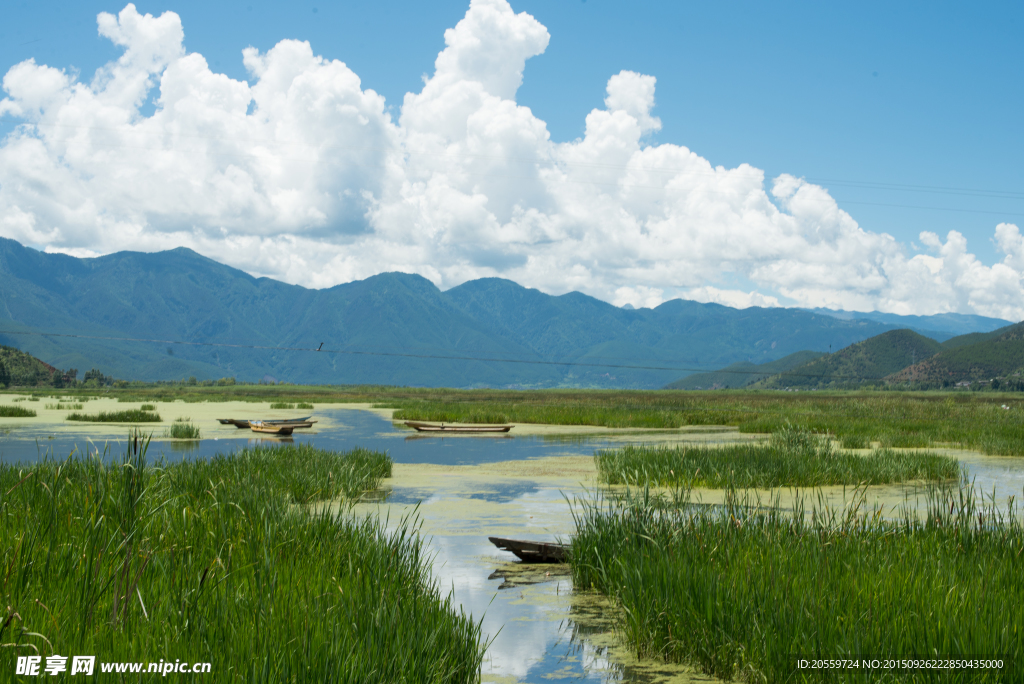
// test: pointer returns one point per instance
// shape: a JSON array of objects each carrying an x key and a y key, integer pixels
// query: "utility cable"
[{"x": 411, "y": 355}]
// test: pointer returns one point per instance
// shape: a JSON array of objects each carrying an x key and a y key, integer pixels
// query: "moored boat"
[
  {"x": 468, "y": 429},
  {"x": 266, "y": 428},
  {"x": 533, "y": 552}
]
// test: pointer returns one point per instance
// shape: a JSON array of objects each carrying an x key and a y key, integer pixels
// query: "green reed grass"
[
  {"x": 130, "y": 416},
  {"x": 60, "y": 406},
  {"x": 898, "y": 420},
  {"x": 182, "y": 428},
  {"x": 303, "y": 405},
  {"x": 743, "y": 590},
  {"x": 281, "y": 405},
  {"x": 214, "y": 561},
  {"x": 147, "y": 407},
  {"x": 791, "y": 458},
  {"x": 16, "y": 412}
]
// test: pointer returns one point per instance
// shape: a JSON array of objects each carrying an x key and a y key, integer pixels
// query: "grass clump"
[
  {"x": 147, "y": 407},
  {"x": 282, "y": 405},
  {"x": 791, "y": 458},
  {"x": 182, "y": 428},
  {"x": 130, "y": 416},
  {"x": 303, "y": 405},
  {"x": 213, "y": 561},
  {"x": 742, "y": 590},
  {"x": 60, "y": 406},
  {"x": 16, "y": 412}
]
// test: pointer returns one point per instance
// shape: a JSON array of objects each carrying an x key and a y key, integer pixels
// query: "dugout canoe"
[
  {"x": 268, "y": 429},
  {"x": 465, "y": 429},
  {"x": 533, "y": 552}
]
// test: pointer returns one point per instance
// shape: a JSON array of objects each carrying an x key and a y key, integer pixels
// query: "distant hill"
[
  {"x": 938, "y": 326},
  {"x": 742, "y": 374},
  {"x": 392, "y": 328},
  {"x": 867, "y": 361},
  {"x": 999, "y": 355},
  {"x": 18, "y": 369}
]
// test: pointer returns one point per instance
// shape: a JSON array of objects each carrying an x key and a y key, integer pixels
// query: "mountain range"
[
  {"x": 176, "y": 314},
  {"x": 897, "y": 358}
]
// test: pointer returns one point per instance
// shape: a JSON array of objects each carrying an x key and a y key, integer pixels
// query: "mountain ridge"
[{"x": 387, "y": 329}]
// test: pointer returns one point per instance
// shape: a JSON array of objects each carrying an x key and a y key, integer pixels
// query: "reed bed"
[
  {"x": 214, "y": 561},
  {"x": 791, "y": 458},
  {"x": 130, "y": 416},
  {"x": 281, "y": 405},
  {"x": 147, "y": 407},
  {"x": 7, "y": 411},
  {"x": 742, "y": 591},
  {"x": 303, "y": 405},
  {"x": 60, "y": 406},
  {"x": 898, "y": 420},
  {"x": 182, "y": 428}
]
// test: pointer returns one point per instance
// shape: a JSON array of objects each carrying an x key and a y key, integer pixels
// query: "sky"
[{"x": 858, "y": 156}]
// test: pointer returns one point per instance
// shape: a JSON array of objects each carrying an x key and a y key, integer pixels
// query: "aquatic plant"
[
  {"x": 282, "y": 405},
  {"x": 130, "y": 416},
  {"x": 745, "y": 589},
  {"x": 147, "y": 407},
  {"x": 60, "y": 406},
  {"x": 303, "y": 405},
  {"x": 214, "y": 561},
  {"x": 791, "y": 458},
  {"x": 16, "y": 412},
  {"x": 182, "y": 428}
]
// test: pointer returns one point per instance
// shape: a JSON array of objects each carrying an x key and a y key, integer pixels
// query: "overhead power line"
[{"x": 443, "y": 357}]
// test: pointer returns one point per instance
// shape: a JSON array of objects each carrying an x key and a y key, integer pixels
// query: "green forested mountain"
[
  {"x": 742, "y": 374},
  {"x": 995, "y": 359},
  {"x": 869, "y": 361},
  {"x": 389, "y": 328},
  {"x": 18, "y": 369}
]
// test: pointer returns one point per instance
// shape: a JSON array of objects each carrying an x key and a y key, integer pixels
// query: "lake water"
[{"x": 462, "y": 490}]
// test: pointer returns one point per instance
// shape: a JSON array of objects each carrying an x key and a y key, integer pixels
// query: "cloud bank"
[{"x": 304, "y": 175}]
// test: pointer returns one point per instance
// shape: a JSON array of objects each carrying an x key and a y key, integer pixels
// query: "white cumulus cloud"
[{"x": 303, "y": 175}]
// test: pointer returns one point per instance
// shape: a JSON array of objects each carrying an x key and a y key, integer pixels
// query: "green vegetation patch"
[
  {"x": 741, "y": 591},
  {"x": 61, "y": 406},
  {"x": 791, "y": 458},
  {"x": 214, "y": 561},
  {"x": 16, "y": 412},
  {"x": 131, "y": 416},
  {"x": 303, "y": 405},
  {"x": 182, "y": 428},
  {"x": 281, "y": 405},
  {"x": 147, "y": 407}
]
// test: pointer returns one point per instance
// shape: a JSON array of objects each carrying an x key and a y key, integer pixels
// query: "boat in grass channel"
[{"x": 457, "y": 429}]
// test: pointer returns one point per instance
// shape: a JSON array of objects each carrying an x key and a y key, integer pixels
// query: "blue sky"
[{"x": 907, "y": 115}]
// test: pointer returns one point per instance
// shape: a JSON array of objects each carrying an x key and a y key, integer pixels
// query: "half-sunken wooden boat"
[
  {"x": 467, "y": 429},
  {"x": 533, "y": 552}
]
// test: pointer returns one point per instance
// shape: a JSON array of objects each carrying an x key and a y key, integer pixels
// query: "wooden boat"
[
  {"x": 242, "y": 424},
  {"x": 533, "y": 552},
  {"x": 285, "y": 421},
  {"x": 466, "y": 429},
  {"x": 265, "y": 428}
]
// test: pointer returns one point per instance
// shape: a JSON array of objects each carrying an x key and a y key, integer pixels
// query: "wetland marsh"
[{"x": 545, "y": 483}]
